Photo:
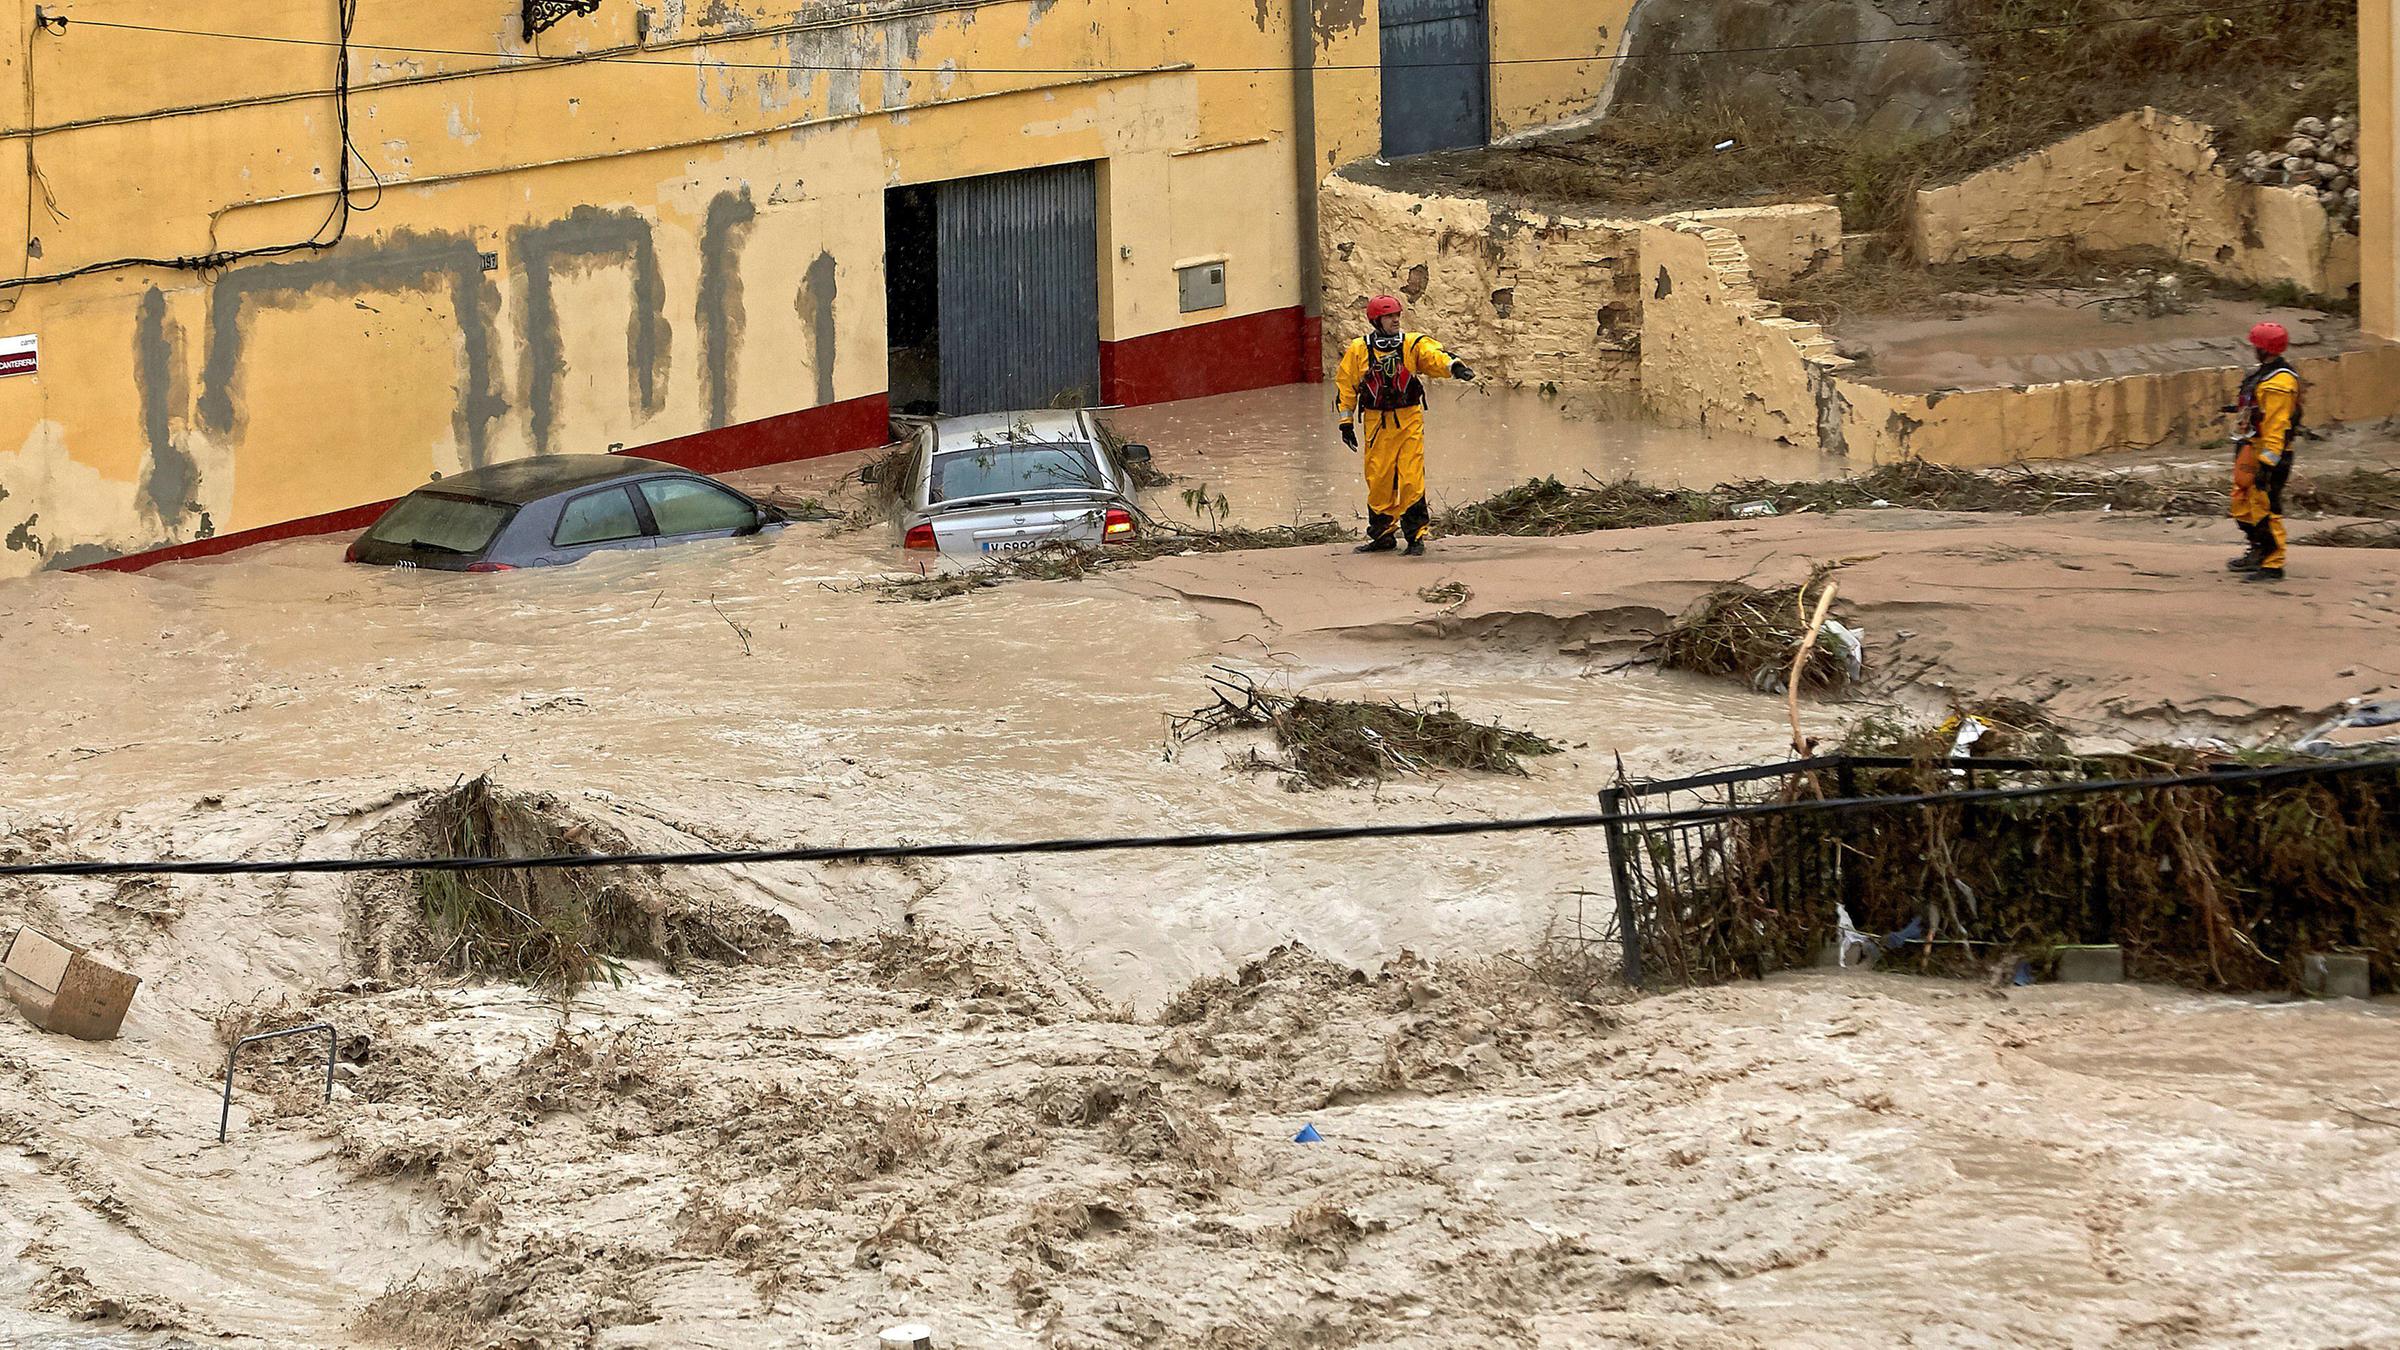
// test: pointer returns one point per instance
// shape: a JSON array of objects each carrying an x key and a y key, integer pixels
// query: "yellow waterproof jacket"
[
  {"x": 2278, "y": 401},
  {"x": 1420, "y": 357}
]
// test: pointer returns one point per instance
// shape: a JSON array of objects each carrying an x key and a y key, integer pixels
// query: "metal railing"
[{"x": 1681, "y": 884}]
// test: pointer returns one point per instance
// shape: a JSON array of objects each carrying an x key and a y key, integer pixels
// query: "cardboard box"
[{"x": 61, "y": 987}]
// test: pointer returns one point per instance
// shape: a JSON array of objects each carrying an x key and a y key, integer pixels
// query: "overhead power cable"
[
  {"x": 329, "y": 231},
  {"x": 1440, "y": 829},
  {"x": 618, "y": 56}
]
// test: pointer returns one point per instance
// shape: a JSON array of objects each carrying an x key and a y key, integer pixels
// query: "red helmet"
[
  {"x": 2271, "y": 338},
  {"x": 1382, "y": 306}
]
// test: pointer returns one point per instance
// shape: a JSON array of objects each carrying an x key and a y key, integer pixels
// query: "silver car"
[{"x": 1003, "y": 482}]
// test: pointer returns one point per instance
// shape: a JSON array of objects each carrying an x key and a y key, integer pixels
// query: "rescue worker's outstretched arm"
[{"x": 1429, "y": 357}]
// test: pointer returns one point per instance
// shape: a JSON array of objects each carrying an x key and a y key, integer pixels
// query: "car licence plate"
[{"x": 1011, "y": 545}]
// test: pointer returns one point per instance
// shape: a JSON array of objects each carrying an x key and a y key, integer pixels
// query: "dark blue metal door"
[
  {"x": 1437, "y": 75},
  {"x": 1020, "y": 291}
]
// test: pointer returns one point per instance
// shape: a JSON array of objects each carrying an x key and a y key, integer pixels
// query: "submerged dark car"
[{"x": 553, "y": 509}]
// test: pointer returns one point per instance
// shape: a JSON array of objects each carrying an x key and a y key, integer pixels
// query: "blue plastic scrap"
[
  {"x": 1308, "y": 1135},
  {"x": 1893, "y": 942}
]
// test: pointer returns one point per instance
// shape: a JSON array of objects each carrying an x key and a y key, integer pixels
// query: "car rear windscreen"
[
  {"x": 997, "y": 470},
  {"x": 443, "y": 524}
]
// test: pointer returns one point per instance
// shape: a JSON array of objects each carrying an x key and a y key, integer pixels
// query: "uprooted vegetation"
[
  {"x": 2223, "y": 887},
  {"x": 1070, "y": 562},
  {"x": 2036, "y": 86},
  {"x": 1545, "y": 506},
  {"x": 2375, "y": 534},
  {"x": 1344, "y": 743},
  {"x": 1753, "y": 635},
  {"x": 559, "y": 927}
]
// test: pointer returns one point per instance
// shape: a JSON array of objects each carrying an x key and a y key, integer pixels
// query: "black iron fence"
[{"x": 1963, "y": 863}]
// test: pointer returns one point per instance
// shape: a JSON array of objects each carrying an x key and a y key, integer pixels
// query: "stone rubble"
[{"x": 2321, "y": 156}]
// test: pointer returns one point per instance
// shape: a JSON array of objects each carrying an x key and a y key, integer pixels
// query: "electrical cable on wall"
[{"x": 329, "y": 231}]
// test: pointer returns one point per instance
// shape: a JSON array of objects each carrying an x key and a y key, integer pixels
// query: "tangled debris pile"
[
  {"x": 2214, "y": 886},
  {"x": 1549, "y": 507},
  {"x": 1342, "y": 743},
  {"x": 557, "y": 927},
  {"x": 2374, "y": 534},
  {"x": 1753, "y": 635},
  {"x": 1069, "y": 562},
  {"x": 1545, "y": 506}
]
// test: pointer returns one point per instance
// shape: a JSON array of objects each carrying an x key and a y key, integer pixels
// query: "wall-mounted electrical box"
[{"x": 1201, "y": 285}]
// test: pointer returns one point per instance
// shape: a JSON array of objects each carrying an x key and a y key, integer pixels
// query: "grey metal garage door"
[
  {"x": 1020, "y": 291},
  {"x": 1437, "y": 75}
]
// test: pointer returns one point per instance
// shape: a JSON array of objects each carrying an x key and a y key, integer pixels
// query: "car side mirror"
[
  {"x": 870, "y": 474},
  {"x": 1137, "y": 454}
]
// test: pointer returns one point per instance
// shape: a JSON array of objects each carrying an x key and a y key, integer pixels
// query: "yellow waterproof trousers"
[
  {"x": 2258, "y": 504},
  {"x": 1393, "y": 446}
]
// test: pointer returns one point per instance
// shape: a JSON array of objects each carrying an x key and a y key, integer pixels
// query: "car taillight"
[
  {"x": 1118, "y": 524},
  {"x": 918, "y": 536},
  {"x": 350, "y": 554},
  {"x": 491, "y": 567}
]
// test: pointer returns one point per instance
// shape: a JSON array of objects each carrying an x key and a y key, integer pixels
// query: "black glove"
[
  {"x": 1349, "y": 435},
  {"x": 1459, "y": 371}
]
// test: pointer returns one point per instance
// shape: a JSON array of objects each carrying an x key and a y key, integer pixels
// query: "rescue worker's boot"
[
  {"x": 1416, "y": 523},
  {"x": 2263, "y": 573},
  {"x": 2249, "y": 560},
  {"x": 1416, "y": 547},
  {"x": 1380, "y": 537}
]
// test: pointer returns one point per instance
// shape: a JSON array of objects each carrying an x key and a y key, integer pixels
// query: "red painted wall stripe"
[
  {"x": 857, "y": 424},
  {"x": 1255, "y": 351}
]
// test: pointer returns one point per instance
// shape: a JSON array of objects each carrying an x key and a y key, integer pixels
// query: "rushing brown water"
[
  {"x": 1830, "y": 1161},
  {"x": 1274, "y": 456}
]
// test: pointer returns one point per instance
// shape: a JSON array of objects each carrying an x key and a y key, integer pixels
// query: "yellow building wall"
[
  {"x": 686, "y": 239},
  {"x": 1552, "y": 62},
  {"x": 2379, "y": 168}
]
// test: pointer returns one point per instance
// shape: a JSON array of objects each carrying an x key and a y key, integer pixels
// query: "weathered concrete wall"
[
  {"x": 1782, "y": 243},
  {"x": 1821, "y": 59},
  {"x": 1986, "y": 427},
  {"x": 1531, "y": 298},
  {"x": 1716, "y": 354},
  {"x": 2145, "y": 180}
]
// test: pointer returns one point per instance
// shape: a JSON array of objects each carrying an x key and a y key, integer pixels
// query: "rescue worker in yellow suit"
[
  {"x": 2269, "y": 413},
  {"x": 1382, "y": 383}
]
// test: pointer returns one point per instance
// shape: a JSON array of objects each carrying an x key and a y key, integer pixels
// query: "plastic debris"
[
  {"x": 1853, "y": 642},
  {"x": 1308, "y": 1135},
  {"x": 1725, "y": 144},
  {"x": 1754, "y": 509},
  {"x": 1856, "y": 948},
  {"x": 1893, "y": 942},
  {"x": 2360, "y": 715},
  {"x": 2024, "y": 973}
]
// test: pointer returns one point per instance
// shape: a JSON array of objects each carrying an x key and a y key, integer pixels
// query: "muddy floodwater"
[
  {"x": 1274, "y": 455},
  {"x": 1052, "y": 1102}
]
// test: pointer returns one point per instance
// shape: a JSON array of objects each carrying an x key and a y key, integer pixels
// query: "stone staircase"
[{"x": 1731, "y": 264}]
